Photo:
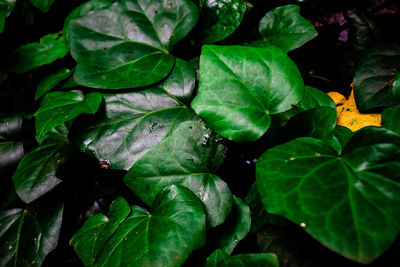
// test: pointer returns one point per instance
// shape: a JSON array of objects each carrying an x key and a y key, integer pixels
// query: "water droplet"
[
  {"x": 206, "y": 140},
  {"x": 303, "y": 225}
]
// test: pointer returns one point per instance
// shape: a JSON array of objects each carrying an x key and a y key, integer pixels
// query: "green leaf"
[
  {"x": 50, "y": 81},
  {"x": 391, "y": 119},
  {"x": 127, "y": 45},
  {"x": 131, "y": 123},
  {"x": 6, "y": 7},
  {"x": 36, "y": 173},
  {"x": 42, "y": 5},
  {"x": 11, "y": 150},
  {"x": 220, "y": 259},
  {"x": 373, "y": 81},
  {"x": 285, "y": 28},
  {"x": 341, "y": 135},
  {"x": 188, "y": 157},
  {"x": 166, "y": 236},
  {"x": 396, "y": 88},
  {"x": 348, "y": 202},
  {"x": 92, "y": 236},
  {"x": 220, "y": 18},
  {"x": 27, "y": 57},
  {"x": 313, "y": 98},
  {"x": 59, "y": 107},
  {"x": 240, "y": 87},
  {"x": 28, "y": 236}
]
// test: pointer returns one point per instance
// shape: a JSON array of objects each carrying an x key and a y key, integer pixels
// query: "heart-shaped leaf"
[
  {"x": 391, "y": 119},
  {"x": 6, "y": 7},
  {"x": 348, "y": 202},
  {"x": 27, "y": 236},
  {"x": 131, "y": 123},
  {"x": 220, "y": 259},
  {"x": 240, "y": 87},
  {"x": 11, "y": 150},
  {"x": 33, "y": 55},
  {"x": 50, "y": 81},
  {"x": 166, "y": 236},
  {"x": 43, "y": 5},
  {"x": 285, "y": 28},
  {"x": 188, "y": 157},
  {"x": 59, "y": 107},
  {"x": 220, "y": 18},
  {"x": 127, "y": 44}
]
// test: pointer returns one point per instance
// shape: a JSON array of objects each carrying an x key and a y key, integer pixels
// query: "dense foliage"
[{"x": 199, "y": 133}]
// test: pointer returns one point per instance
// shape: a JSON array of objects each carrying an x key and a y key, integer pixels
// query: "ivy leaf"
[
  {"x": 285, "y": 28},
  {"x": 348, "y": 201},
  {"x": 50, "y": 81},
  {"x": 36, "y": 173},
  {"x": 188, "y": 157},
  {"x": 240, "y": 87},
  {"x": 166, "y": 236},
  {"x": 43, "y": 5},
  {"x": 341, "y": 135},
  {"x": 376, "y": 73},
  {"x": 28, "y": 236},
  {"x": 11, "y": 151},
  {"x": 220, "y": 18},
  {"x": 92, "y": 236},
  {"x": 127, "y": 44},
  {"x": 59, "y": 107},
  {"x": 391, "y": 119},
  {"x": 313, "y": 98},
  {"x": 396, "y": 88},
  {"x": 6, "y": 7},
  {"x": 141, "y": 119},
  {"x": 220, "y": 259},
  {"x": 27, "y": 57}
]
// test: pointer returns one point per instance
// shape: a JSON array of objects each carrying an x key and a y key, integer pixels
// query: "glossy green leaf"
[
  {"x": 43, "y": 5},
  {"x": 59, "y": 107},
  {"x": 92, "y": 236},
  {"x": 220, "y": 259},
  {"x": 131, "y": 123},
  {"x": 26, "y": 57},
  {"x": 396, "y": 88},
  {"x": 373, "y": 81},
  {"x": 166, "y": 236},
  {"x": 391, "y": 119},
  {"x": 28, "y": 236},
  {"x": 220, "y": 18},
  {"x": 83, "y": 10},
  {"x": 313, "y": 98},
  {"x": 127, "y": 45},
  {"x": 11, "y": 150},
  {"x": 36, "y": 173},
  {"x": 240, "y": 87},
  {"x": 188, "y": 157},
  {"x": 341, "y": 135},
  {"x": 6, "y": 7},
  {"x": 348, "y": 202},
  {"x": 50, "y": 81},
  {"x": 285, "y": 28}
]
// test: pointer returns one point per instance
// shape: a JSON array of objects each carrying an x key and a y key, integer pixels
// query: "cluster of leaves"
[{"x": 168, "y": 123}]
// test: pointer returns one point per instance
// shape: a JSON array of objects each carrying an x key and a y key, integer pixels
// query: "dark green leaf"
[
  {"x": 188, "y": 157},
  {"x": 341, "y": 135},
  {"x": 131, "y": 123},
  {"x": 241, "y": 86},
  {"x": 391, "y": 119},
  {"x": 373, "y": 81},
  {"x": 11, "y": 151},
  {"x": 36, "y": 173},
  {"x": 127, "y": 45},
  {"x": 92, "y": 236},
  {"x": 285, "y": 28},
  {"x": 6, "y": 7},
  {"x": 348, "y": 202},
  {"x": 26, "y": 237},
  {"x": 396, "y": 88},
  {"x": 220, "y": 259},
  {"x": 42, "y": 5},
  {"x": 33, "y": 55},
  {"x": 220, "y": 18},
  {"x": 362, "y": 30},
  {"x": 50, "y": 81},
  {"x": 59, "y": 107},
  {"x": 315, "y": 98}
]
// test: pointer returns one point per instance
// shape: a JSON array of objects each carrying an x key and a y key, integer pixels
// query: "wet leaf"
[
  {"x": 220, "y": 259},
  {"x": 11, "y": 150}
]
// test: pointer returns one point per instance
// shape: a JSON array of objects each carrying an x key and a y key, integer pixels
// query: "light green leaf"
[
  {"x": 27, "y": 57},
  {"x": 188, "y": 157},
  {"x": 348, "y": 202},
  {"x": 43, "y": 5},
  {"x": 6, "y": 7},
  {"x": 285, "y": 28},
  {"x": 59, "y": 107},
  {"x": 50, "y": 81},
  {"x": 220, "y": 259},
  {"x": 240, "y": 87},
  {"x": 315, "y": 98},
  {"x": 127, "y": 44}
]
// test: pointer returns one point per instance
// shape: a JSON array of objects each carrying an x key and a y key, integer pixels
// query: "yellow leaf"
[{"x": 348, "y": 114}]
